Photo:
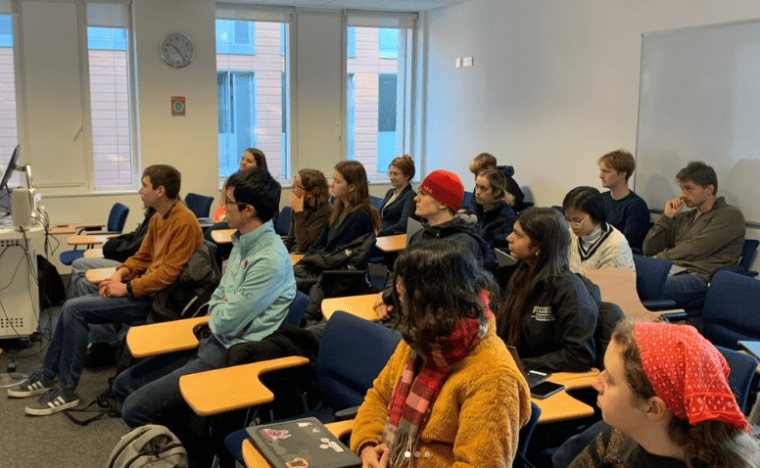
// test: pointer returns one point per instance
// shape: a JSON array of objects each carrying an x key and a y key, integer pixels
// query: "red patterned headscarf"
[{"x": 688, "y": 374}]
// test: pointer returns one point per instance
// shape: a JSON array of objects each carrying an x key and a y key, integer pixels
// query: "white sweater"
[{"x": 611, "y": 250}]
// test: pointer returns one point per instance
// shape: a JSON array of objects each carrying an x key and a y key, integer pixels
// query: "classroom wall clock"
[{"x": 176, "y": 50}]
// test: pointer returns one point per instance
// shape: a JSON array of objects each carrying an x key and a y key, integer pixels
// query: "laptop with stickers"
[{"x": 302, "y": 443}]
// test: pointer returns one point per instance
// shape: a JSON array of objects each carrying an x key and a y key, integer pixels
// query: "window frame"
[
  {"x": 286, "y": 18},
  {"x": 412, "y": 94},
  {"x": 133, "y": 117}
]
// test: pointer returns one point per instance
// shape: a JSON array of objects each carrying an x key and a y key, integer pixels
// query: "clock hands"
[{"x": 178, "y": 51}]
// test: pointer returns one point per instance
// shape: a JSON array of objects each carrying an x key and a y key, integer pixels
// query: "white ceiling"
[{"x": 394, "y": 5}]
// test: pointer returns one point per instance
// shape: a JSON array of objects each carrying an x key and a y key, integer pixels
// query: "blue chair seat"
[{"x": 68, "y": 257}]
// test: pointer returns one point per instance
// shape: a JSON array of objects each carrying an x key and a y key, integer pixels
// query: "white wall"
[{"x": 554, "y": 84}]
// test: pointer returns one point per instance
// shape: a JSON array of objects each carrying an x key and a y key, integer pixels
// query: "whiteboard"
[{"x": 699, "y": 99}]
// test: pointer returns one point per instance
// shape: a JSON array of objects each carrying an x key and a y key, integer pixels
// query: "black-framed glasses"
[{"x": 241, "y": 206}]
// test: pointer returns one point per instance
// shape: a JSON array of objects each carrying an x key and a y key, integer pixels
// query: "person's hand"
[
  {"x": 113, "y": 288},
  {"x": 673, "y": 207},
  {"x": 375, "y": 456},
  {"x": 296, "y": 202},
  {"x": 382, "y": 309}
]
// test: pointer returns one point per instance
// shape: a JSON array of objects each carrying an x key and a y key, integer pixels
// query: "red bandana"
[
  {"x": 688, "y": 374},
  {"x": 414, "y": 397}
]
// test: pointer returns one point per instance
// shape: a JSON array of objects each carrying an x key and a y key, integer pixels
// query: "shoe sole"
[
  {"x": 51, "y": 409},
  {"x": 18, "y": 393}
]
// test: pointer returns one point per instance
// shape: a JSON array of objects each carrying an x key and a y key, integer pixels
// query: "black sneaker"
[
  {"x": 53, "y": 401},
  {"x": 34, "y": 385}
]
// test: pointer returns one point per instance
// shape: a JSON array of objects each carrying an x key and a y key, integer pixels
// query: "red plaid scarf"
[{"x": 414, "y": 397}]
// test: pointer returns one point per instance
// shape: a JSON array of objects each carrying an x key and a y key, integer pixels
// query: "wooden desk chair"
[
  {"x": 360, "y": 306},
  {"x": 254, "y": 459},
  {"x": 391, "y": 243},
  {"x": 115, "y": 224},
  {"x": 346, "y": 369},
  {"x": 618, "y": 286},
  {"x": 295, "y": 258}
]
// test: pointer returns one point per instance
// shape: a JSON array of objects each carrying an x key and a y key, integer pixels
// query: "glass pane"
[
  {"x": 378, "y": 86},
  {"x": 8, "y": 125},
  {"x": 110, "y": 104},
  {"x": 255, "y": 107}
]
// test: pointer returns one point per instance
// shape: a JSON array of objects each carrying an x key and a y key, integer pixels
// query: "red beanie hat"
[
  {"x": 445, "y": 187},
  {"x": 688, "y": 374}
]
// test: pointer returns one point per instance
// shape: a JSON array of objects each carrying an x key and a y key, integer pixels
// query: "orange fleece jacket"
[
  {"x": 167, "y": 247},
  {"x": 474, "y": 422}
]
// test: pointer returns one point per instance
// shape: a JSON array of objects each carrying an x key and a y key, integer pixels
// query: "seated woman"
[
  {"x": 548, "y": 314},
  {"x": 311, "y": 209},
  {"x": 595, "y": 243},
  {"x": 252, "y": 158},
  {"x": 398, "y": 203},
  {"x": 665, "y": 394},
  {"x": 352, "y": 214},
  {"x": 494, "y": 216},
  {"x": 450, "y": 394}
]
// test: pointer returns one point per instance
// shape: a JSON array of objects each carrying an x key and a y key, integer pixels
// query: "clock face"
[{"x": 176, "y": 50}]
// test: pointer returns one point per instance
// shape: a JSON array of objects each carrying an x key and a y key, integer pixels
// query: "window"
[
  {"x": 8, "y": 123},
  {"x": 111, "y": 96},
  {"x": 379, "y": 89},
  {"x": 254, "y": 87}
]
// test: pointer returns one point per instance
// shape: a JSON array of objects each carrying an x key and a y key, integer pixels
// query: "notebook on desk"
[
  {"x": 302, "y": 443},
  {"x": 532, "y": 377}
]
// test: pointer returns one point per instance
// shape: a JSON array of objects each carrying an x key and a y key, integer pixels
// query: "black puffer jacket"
[{"x": 457, "y": 230}]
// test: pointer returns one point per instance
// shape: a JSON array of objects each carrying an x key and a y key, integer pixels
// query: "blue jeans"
[
  {"x": 79, "y": 286},
  {"x": 65, "y": 355},
  {"x": 685, "y": 289},
  {"x": 150, "y": 389}
]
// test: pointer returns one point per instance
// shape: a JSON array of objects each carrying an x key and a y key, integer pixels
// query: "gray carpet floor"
[{"x": 52, "y": 441}]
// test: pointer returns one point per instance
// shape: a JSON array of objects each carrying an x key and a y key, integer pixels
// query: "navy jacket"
[{"x": 394, "y": 215}]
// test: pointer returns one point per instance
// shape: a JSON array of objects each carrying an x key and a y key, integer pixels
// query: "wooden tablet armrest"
[
  {"x": 232, "y": 388},
  {"x": 222, "y": 236},
  {"x": 573, "y": 380},
  {"x": 98, "y": 275},
  {"x": 164, "y": 337}
]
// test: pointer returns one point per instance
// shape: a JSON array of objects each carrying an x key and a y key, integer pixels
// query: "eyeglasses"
[
  {"x": 241, "y": 206},
  {"x": 393, "y": 173},
  {"x": 574, "y": 225}
]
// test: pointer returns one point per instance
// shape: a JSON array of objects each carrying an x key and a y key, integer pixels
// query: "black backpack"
[{"x": 52, "y": 291}]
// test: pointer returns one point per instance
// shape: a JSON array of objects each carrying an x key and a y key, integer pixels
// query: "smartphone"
[{"x": 545, "y": 390}]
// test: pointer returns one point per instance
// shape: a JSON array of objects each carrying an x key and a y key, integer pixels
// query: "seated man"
[
  {"x": 126, "y": 297},
  {"x": 104, "y": 338},
  {"x": 250, "y": 303},
  {"x": 438, "y": 199},
  {"x": 701, "y": 240},
  {"x": 625, "y": 210}
]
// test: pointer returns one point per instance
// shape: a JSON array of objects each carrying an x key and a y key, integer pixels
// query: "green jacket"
[{"x": 700, "y": 245}]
